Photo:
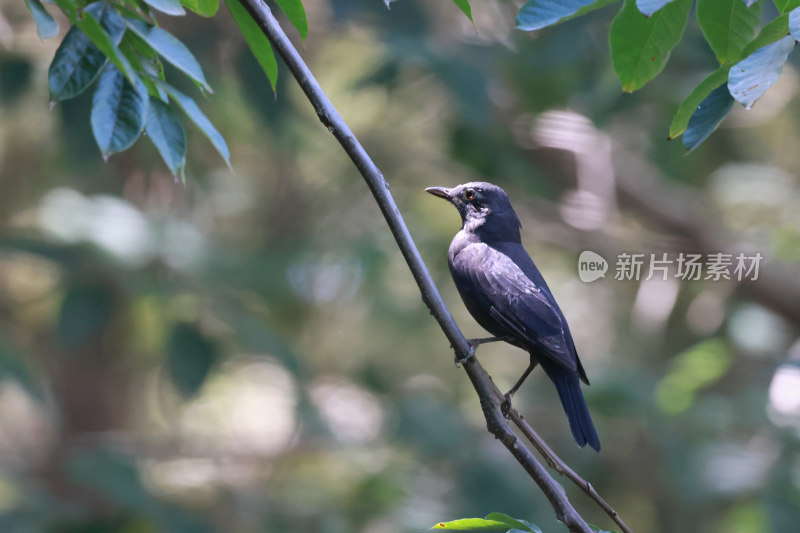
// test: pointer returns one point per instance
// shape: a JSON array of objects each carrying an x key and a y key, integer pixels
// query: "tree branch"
[
  {"x": 557, "y": 464},
  {"x": 490, "y": 396},
  {"x": 677, "y": 209}
]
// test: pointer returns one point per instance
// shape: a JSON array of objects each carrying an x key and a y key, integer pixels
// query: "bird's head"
[{"x": 484, "y": 208}]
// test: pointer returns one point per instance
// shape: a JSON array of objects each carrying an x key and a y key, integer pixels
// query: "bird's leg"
[
  {"x": 477, "y": 342},
  {"x": 474, "y": 343},
  {"x": 505, "y": 407}
]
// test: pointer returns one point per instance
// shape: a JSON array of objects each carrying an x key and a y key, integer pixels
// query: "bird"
[{"x": 507, "y": 295}]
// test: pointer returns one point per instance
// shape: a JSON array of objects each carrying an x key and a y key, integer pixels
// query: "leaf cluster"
[
  {"x": 644, "y": 32},
  {"x": 119, "y": 48}
]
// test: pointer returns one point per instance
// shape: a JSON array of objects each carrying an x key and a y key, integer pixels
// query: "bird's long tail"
[{"x": 569, "y": 390}]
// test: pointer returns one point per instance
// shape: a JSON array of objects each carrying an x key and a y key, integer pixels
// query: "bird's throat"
[
  {"x": 475, "y": 219},
  {"x": 472, "y": 224}
]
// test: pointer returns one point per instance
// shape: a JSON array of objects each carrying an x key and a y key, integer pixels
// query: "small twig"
[
  {"x": 485, "y": 388},
  {"x": 557, "y": 464},
  {"x": 491, "y": 399}
]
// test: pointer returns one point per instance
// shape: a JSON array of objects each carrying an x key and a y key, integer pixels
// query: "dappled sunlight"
[
  {"x": 27, "y": 279},
  {"x": 324, "y": 280},
  {"x": 706, "y": 312},
  {"x": 758, "y": 330},
  {"x": 753, "y": 198},
  {"x": 784, "y": 392},
  {"x": 733, "y": 469},
  {"x": 184, "y": 474},
  {"x": 27, "y": 429},
  {"x": 248, "y": 408},
  {"x": 588, "y": 206},
  {"x": 784, "y": 395},
  {"x": 654, "y": 303},
  {"x": 351, "y": 412},
  {"x": 122, "y": 230}
]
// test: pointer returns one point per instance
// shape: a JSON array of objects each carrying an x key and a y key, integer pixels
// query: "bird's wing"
[{"x": 515, "y": 301}]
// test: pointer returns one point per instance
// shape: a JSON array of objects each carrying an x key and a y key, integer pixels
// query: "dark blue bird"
[{"x": 504, "y": 291}]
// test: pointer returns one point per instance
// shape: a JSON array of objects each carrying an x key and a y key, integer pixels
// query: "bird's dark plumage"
[{"x": 504, "y": 291}]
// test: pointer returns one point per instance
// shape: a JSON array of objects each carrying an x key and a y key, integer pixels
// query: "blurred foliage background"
[{"x": 249, "y": 352}]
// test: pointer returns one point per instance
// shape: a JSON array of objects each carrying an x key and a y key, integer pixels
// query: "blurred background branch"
[{"x": 677, "y": 210}]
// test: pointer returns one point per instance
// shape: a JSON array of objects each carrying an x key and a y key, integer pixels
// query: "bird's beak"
[{"x": 441, "y": 192}]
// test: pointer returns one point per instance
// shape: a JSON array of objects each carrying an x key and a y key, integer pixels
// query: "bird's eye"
[{"x": 469, "y": 194}]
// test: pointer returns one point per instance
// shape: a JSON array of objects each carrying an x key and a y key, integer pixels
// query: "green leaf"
[
  {"x": 537, "y": 14},
  {"x": 296, "y": 14},
  {"x": 76, "y": 64},
  {"x": 171, "y": 49},
  {"x": 648, "y": 7},
  {"x": 125, "y": 12},
  {"x": 69, "y": 9},
  {"x": 145, "y": 60},
  {"x": 204, "y": 8},
  {"x": 256, "y": 40},
  {"x": 464, "y": 6},
  {"x": 109, "y": 20},
  {"x": 190, "y": 357},
  {"x": 46, "y": 25},
  {"x": 189, "y": 107},
  {"x": 85, "y": 313},
  {"x": 708, "y": 116},
  {"x": 106, "y": 40},
  {"x": 473, "y": 524},
  {"x": 77, "y": 61},
  {"x": 102, "y": 16},
  {"x": 640, "y": 46},
  {"x": 166, "y": 132},
  {"x": 728, "y": 25},
  {"x": 522, "y": 525},
  {"x": 750, "y": 78},
  {"x": 773, "y": 31},
  {"x": 598, "y": 530},
  {"x": 687, "y": 108},
  {"x": 170, "y": 7},
  {"x": 784, "y": 6},
  {"x": 118, "y": 112}
]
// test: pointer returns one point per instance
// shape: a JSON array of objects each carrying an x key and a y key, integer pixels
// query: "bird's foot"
[
  {"x": 470, "y": 354},
  {"x": 505, "y": 407},
  {"x": 473, "y": 345}
]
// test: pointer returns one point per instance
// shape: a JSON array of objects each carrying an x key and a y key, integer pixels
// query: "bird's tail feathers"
[{"x": 569, "y": 391}]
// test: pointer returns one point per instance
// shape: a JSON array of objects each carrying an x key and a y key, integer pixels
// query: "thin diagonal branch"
[
  {"x": 557, "y": 464},
  {"x": 490, "y": 396}
]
